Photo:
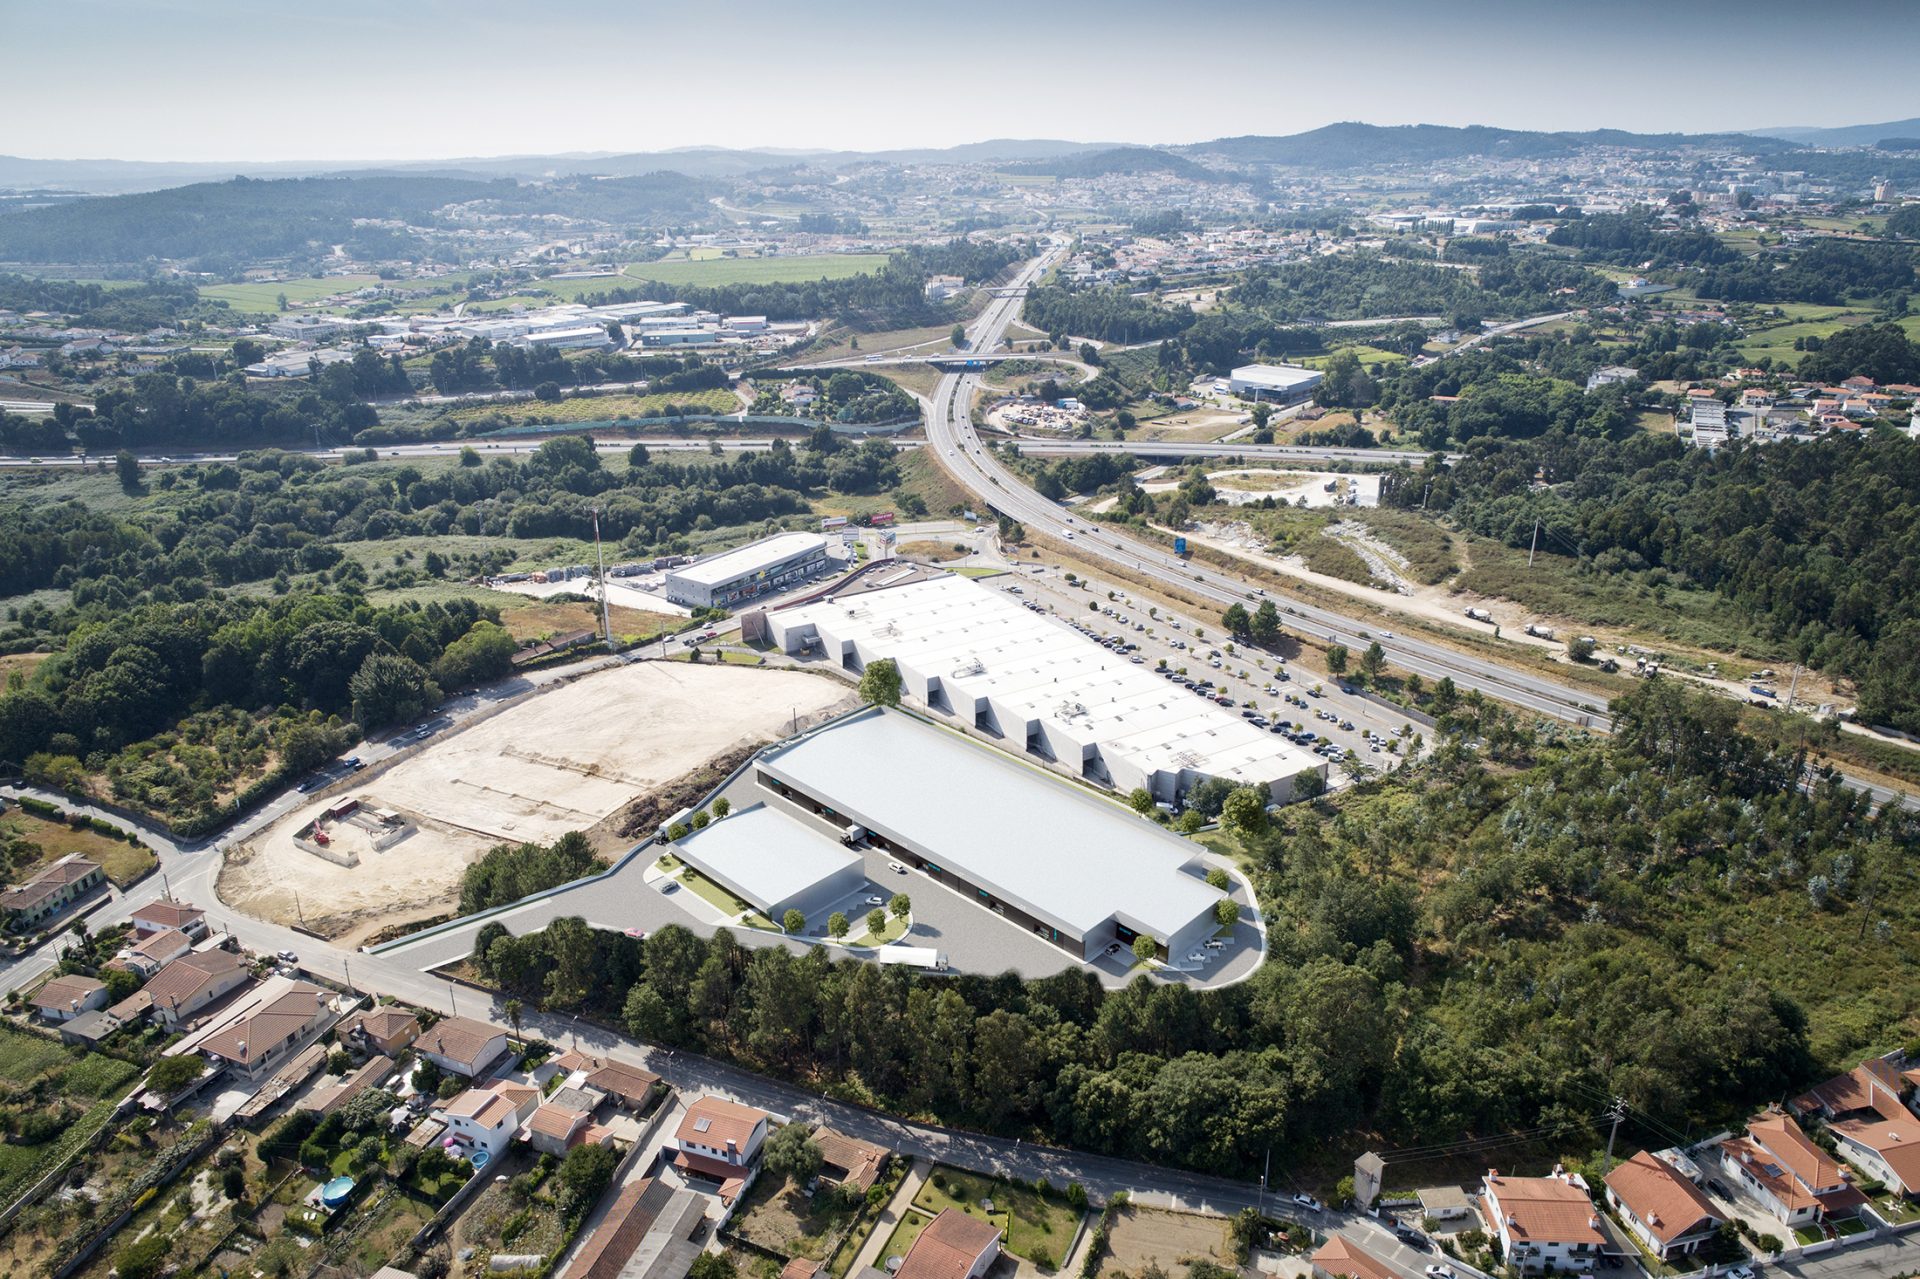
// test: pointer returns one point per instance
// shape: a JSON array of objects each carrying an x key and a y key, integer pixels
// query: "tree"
[
  {"x": 722, "y": 806},
  {"x": 144, "y": 1259},
  {"x": 1226, "y": 912},
  {"x": 391, "y": 689},
  {"x": 837, "y": 925},
  {"x": 880, "y": 683},
  {"x": 484, "y": 653},
  {"x": 901, "y": 905},
  {"x": 959, "y": 337},
  {"x": 233, "y": 1182},
  {"x": 793, "y": 921},
  {"x": 1244, "y": 814},
  {"x": 547, "y": 392},
  {"x": 1337, "y": 659},
  {"x": 876, "y": 921},
  {"x": 792, "y": 1153},
  {"x": 1145, "y": 947},
  {"x": 1266, "y": 622},
  {"x": 1580, "y": 648},
  {"x": 1373, "y": 659},
  {"x": 584, "y": 1173},
  {"x": 1236, "y": 620},
  {"x": 713, "y": 1265},
  {"x": 1140, "y": 800},
  {"x": 170, "y": 1074},
  {"x": 1310, "y": 785},
  {"x": 1218, "y": 878},
  {"x": 514, "y": 1009},
  {"x": 128, "y": 468}
]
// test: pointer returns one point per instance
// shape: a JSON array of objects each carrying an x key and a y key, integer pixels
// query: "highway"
[
  {"x": 1264, "y": 452},
  {"x": 950, "y": 431}
]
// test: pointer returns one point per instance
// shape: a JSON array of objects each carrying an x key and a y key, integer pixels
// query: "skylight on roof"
[{"x": 702, "y": 1124}]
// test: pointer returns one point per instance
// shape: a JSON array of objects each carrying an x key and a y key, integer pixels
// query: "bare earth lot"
[
  {"x": 1169, "y": 1239},
  {"x": 562, "y": 760}
]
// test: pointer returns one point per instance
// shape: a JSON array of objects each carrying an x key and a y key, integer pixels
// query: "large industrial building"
[
  {"x": 774, "y": 863},
  {"x": 720, "y": 581},
  {"x": 970, "y": 652},
  {"x": 1078, "y": 870},
  {"x": 1274, "y": 383}
]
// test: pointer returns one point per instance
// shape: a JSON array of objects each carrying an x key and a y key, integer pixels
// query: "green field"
[
  {"x": 1368, "y": 355},
  {"x": 265, "y": 297},
  {"x": 603, "y": 408},
  {"x": 717, "y": 271}
]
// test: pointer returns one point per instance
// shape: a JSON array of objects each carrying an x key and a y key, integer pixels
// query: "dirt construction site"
[{"x": 567, "y": 758}]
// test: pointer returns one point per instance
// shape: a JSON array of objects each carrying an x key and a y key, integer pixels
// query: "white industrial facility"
[
  {"x": 970, "y": 652},
  {"x": 720, "y": 581},
  {"x": 773, "y": 862},
  {"x": 1054, "y": 858},
  {"x": 1273, "y": 383}
]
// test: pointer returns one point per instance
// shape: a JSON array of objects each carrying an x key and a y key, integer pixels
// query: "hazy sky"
[{"x": 410, "y": 79}]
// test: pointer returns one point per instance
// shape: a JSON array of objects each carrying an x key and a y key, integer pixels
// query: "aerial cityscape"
[{"x": 845, "y": 642}]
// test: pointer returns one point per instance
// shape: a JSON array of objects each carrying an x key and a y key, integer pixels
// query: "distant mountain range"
[
  {"x": 1334, "y": 146},
  {"x": 1852, "y": 135}
]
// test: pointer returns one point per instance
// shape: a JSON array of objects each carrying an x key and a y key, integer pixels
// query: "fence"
[{"x": 100, "y": 1237}]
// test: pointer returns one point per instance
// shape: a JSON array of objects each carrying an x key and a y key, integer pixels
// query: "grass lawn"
[
  {"x": 894, "y": 931},
  {"x": 977, "y": 571},
  {"x": 1037, "y": 1229},
  {"x": 123, "y": 862},
  {"x": 932, "y": 338},
  {"x": 717, "y": 271},
  {"x": 90, "y": 1082},
  {"x": 911, "y": 1224},
  {"x": 1368, "y": 355},
  {"x": 780, "y": 1217},
  {"x": 266, "y": 297},
  {"x": 711, "y": 893}
]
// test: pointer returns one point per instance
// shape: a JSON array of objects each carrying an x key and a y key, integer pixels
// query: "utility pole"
[
  {"x": 600, "y": 562},
  {"x": 1536, "y": 541},
  {"x": 1265, "y": 1168},
  {"x": 1793, "y": 687},
  {"x": 1619, "y": 1111}
]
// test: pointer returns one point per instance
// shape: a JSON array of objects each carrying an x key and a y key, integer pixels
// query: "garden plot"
[
  {"x": 562, "y": 760},
  {"x": 1170, "y": 1240}
]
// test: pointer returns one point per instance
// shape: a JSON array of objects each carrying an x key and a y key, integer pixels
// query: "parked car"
[
  {"x": 1438, "y": 1272},
  {"x": 288, "y": 957},
  {"x": 1307, "y": 1201},
  {"x": 1411, "y": 1237}
]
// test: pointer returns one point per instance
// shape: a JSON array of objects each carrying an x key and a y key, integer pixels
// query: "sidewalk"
[{"x": 896, "y": 1208}]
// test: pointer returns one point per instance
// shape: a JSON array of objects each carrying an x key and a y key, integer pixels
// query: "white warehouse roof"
[
  {"x": 766, "y": 856},
  {"x": 1277, "y": 377},
  {"x": 1047, "y": 846},
  {"x": 718, "y": 570},
  {"x": 977, "y": 646}
]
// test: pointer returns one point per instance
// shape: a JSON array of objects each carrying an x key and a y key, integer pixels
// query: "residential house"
[
  {"x": 51, "y": 892},
  {"x": 68, "y": 996},
  {"x": 1339, "y": 1258},
  {"x": 261, "y": 1032},
  {"x": 717, "y": 1142},
  {"x": 158, "y": 916},
  {"x": 185, "y": 986},
  {"x": 1542, "y": 1222},
  {"x": 324, "y": 1101},
  {"x": 622, "y": 1084},
  {"x": 486, "y": 1119},
  {"x": 384, "y": 1030},
  {"x": 953, "y": 1246},
  {"x": 154, "y": 951},
  {"x": 461, "y": 1046},
  {"x": 653, "y": 1230},
  {"x": 1662, "y": 1208},
  {"x": 1611, "y": 375},
  {"x": 848, "y": 1160},
  {"x": 1869, "y": 1122},
  {"x": 1793, "y": 1180},
  {"x": 554, "y": 1129}
]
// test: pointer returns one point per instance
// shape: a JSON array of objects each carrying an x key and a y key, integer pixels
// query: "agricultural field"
[
  {"x": 718, "y": 271},
  {"x": 57, "y": 1098},
  {"x": 1369, "y": 355},
  {"x": 265, "y": 298},
  {"x": 601, "y": 408}
]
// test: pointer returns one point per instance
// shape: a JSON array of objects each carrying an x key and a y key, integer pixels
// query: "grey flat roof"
[
  {"x": 1056, "y": 851},
  {"x": 719, "y": 569},
  {"x": 764, "y": 855},
  {"x": 1278, "y": 375}
]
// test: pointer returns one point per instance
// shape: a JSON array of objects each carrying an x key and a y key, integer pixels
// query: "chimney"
[{"x": 733, "y": 1147}]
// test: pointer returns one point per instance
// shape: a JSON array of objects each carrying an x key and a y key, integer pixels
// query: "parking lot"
[{"x": 1313, "y": 710}]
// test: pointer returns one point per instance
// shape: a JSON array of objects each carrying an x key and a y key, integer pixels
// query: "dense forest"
[
  {"x": 1495, "y": 939},
  {"x": 1358, "y": 286},
  {"x": 1828, "y": 273},
  {"x": 1635, "y": 240},
  {"x": 1818, "y": 542}
]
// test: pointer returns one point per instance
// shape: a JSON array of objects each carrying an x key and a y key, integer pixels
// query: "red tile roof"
[
  {"x": 1350, "y": 1261},
  {"x": 714, "y": 1121},
  {"x": 267, "y": 1027},
  {"x": 1544, "y": 1210},
  {"x": 459, "y": 1039},
  {"x": 63, "y": 992},
  {"x": 1660, "y": 1198},
  {"x": 627, "y": 1222},
  {"x": 166, "y": 914},
  {"x": 948, "y": 1247},
  {"x": 1794, "y": 1151},
  {"x": 1858, "y": 1089}
]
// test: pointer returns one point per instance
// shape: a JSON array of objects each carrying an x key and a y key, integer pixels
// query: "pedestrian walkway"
[{"x": 890, "y": 1216}]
